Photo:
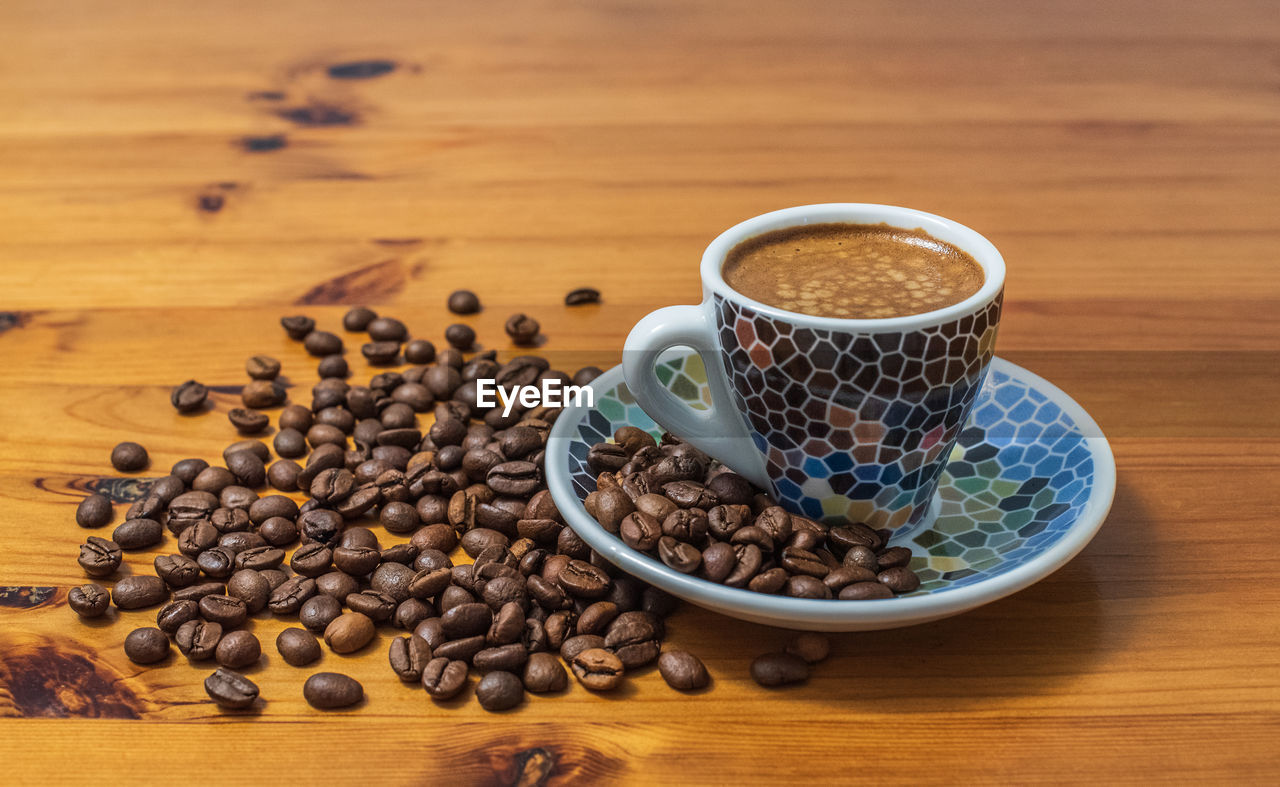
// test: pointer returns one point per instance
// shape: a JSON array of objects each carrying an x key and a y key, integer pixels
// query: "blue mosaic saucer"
[{"x": 1026, "y": 488}]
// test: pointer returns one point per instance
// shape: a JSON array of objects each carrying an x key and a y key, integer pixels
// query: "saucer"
[{"x": 1025, "y": 489}]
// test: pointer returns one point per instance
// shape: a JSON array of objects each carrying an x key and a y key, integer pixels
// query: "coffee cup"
[{"x": 839, "y": 419}]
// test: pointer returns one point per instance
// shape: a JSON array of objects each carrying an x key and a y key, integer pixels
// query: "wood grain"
[{"x": 175, "y": 177}]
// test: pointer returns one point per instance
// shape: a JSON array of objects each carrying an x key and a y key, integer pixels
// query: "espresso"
[{"x": 852, "y": 271}]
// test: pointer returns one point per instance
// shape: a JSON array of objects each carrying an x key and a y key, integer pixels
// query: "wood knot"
[
  {"x": 60, "y": 677},
  {"x": 361, "y": 69},
  {"x": 13, "y": 320},
  {"x": 533, "y": 767},
  {"x": 263, "y": 144},
  {"x": 25, "y": 596},
  {"x": 320, "y": 114}
]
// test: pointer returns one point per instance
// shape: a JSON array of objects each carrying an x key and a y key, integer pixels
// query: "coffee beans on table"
[
  {"x": 581, "y": 296},
  {"x": 779, "y": 669},
  {"x": 332, "y": 690},
  {"x": 463, "y": 302},
  {"x": 414, "y": 451},
  {"x": 522, "y": 328}
]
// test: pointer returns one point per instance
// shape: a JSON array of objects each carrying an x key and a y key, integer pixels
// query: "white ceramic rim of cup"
[
  {"x": 825, "y": 614},
  {"x": 966, "y": 239}
]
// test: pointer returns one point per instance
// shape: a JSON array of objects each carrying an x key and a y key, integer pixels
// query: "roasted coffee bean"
[
  {"x": 322, "y": 343},
  {"x": 198, "y": 639},
  {"x": 138, "y": 591},
  {"x": 357, "y": 561},
  {"x": 658, "y": 603},
  {"x": 444, "y": 678},
  {"x": 262, "y": 367},
  {"x": 399, "y": 517},
  {"x": 332, "y": 690},
  {"x": 297, "y": 647},
  {"x": 248, "y": 421},
  {"x": 358, "y": 318},
  {"x": 128, "y": 457},
  {"x": 583, "y": 580},
  {"x": 261, "y": 394},
  {"x": 520, "y": 479},
  {"x": 543, "y": 673},
  {"x": 655, "y": 506},
  {"x": 800, "y": 561},
  {"x": 290, "y": 443},
  {"x": 378, "y": 607},
  {"x": 689, "y": 494},
  {"x": 597, "y": 669},
  {"x": 419, "y": 351},
  {"x": 288, "y": 598},
  {"x": 387, "y": 329},
  {"x": 409, "y": 656},
  {"x": 718, "y": 561},
  {"x": 275, "y": 577},
  {"x": 189, "y": 397},
  {"x": 172, "y": 615},
  {"x": 804, "y": 586},
  {"x": 843, "y": 537},
  {"x": 474, "y": 541},
  {"x": 463, "y": 302},
  {"x": 338, "y": 584},
  {"x": 312, "y": 560},
  {"x": 582, "y": 295},
  {"x": 283, "y": 475},
  {"x": 862, "y": 557},
  {"x": 522, "y": 329},
  {"x": 507, "y": 626},
  {"x": 731, "y": 489},
  {"x": 640, "y": 531},
  {"x": 572, "y": 646},
  {"x": 250, "y": 587},
  {"x": 725, "y": 520},
  {"x": 317, "y": 612},
  {"x": 89, "y": 600},
  {"x": 298, "y": 326},
  {"x": 460, "y": 649},
  {"x": 749, "y": 561},
  {"x": 466, "y": 620},
  {"x": 138, "y": 534},
  {"x": 892, "y": 557},
  {"x": 686, "y": 524},
  {"x": 237, "y": 650},
  {"x": 381, "y": 353},
  {"x": 460, "y": 336},
  {"x": 94, "y": 511},
  {"x": 199, "y": 591},
  {"x": 228, "y": 611},
  {"x": 509, "y": 658},
  {"x": 186, "y": 470},
  {"x": 586, "y": 374},
  {"x": 779, "y": 669},
  {"x": 606, "y": 458},
  {"x": 394, "y": 579},
  {"x": 320, "y": 525},
  {"x": 838, "y": 578},
  {"x": 230, "y": 689},
  {"x": 899, "y": 579},
  {"x": 810, "y": 646},
  {"x": 217, "y": 562},
  {"x": 499, "y": 690},
  {"x": 349, "y": 632},
  {"x": 770, "y": 581},
  {"x": 334, "y": 366},
  {"x": 211, "y": 480},
  {"x": 680, "y": 556},
  {"x": 683, "y": 670},
  {"x": 410, "y": 612},
  {"x": 248, "y": 469}
]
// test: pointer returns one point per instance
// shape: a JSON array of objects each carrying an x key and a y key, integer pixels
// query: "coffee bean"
[
  {"x": 298, "y": 326},
  {"x": 499, "y": 690},
  {"x": 358, "y": 318},
  {"x": 582, "y": 295},
  {"x": 334, "y": 366},
  {"x": 860, "y": 591},
  {"x": 606, "y": 458},
  {"x": 262, "y": 367},
  {"x": 199, "y": 591},
  {"x": 261, "y": 394},
  {"x": 247, "y": 421},
  {"x": 463, "y": 302},
  {"x": 172, "y": 615},
  {"x": 381, "y": 353},
  {"x": 586, "y": 374},
  {"x": 779, "y": 669},
  {"x": 444, "y": 678},
  {"x": 349, "y": 632},
  {"x": 332, "y": 690},
  {"x": 230, "y": 689},
  {"x": 138, "y": 591},
  {"x": 810, "y": 646},
  {"x": 683, "y": 557},
  {"x": 771, "y": 581},
  {"x": 94, "y": 511},
  {"x": 522, "y": 329},
  {"x": 250, "y": 587},
  {"x": 289, "y": 597},
  {"x": 317, "y": 612},
  {"x": 466, "y": 620},
  {"x": 237, "y": 650},
  {"x": 228, "y": 611},
  {"x": 189, "y": 397},
  {"x": 89, "y": 600},
  {"x": 378, "y": 607},
  {"x": 197, "y": 639},
  {"x": 129, "y": 457},
  {"x": 509, "y": 658},
  {"x": 597, "y": 669},
  {"x": 575, "y": 645},
  {"x": 322, "y": 343},
  {"x": 138, "y": 534},
  {"x": 683, "y": 670},
  {"x": 583, "y": 580},
  {"x": 853, "y": 534},
  {"x": 298, "y": 647},
  {"x": 460, "y": 336},
  {"x": 893, "y": 557},
  {"x": 899, "y": 579},
  {"x": 387, "y": 329},
  {"x": 409, "y": 657}
]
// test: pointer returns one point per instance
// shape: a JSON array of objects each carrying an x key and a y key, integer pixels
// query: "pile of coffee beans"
[
  {"x": 533, "y": 598},
  {"x": 671, "y": 501}
]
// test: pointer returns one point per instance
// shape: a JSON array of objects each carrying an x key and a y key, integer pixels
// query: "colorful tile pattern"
[
  {"x": 853, "y": 426},
  {"x": 1018, "y": 476}
]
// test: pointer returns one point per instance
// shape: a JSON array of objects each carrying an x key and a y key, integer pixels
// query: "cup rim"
[{"x": 968, "y": 240}]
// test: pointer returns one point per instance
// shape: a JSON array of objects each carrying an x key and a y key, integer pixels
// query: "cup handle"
[{"x": 718, "y": 431}]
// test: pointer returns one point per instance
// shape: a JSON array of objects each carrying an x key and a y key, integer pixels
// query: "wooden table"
[{"x": 174, "y": 177}]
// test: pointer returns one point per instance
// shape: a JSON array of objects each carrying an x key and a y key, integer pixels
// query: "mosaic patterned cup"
[{"x": 843, "y": 420}]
